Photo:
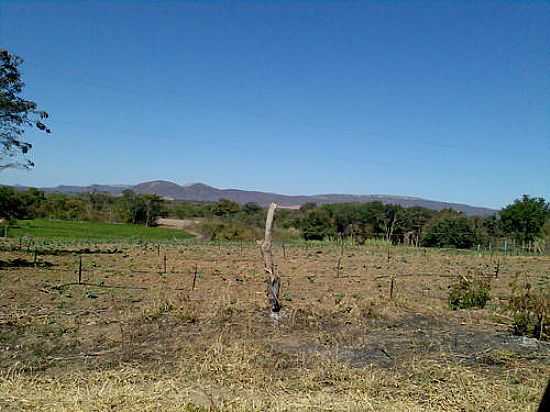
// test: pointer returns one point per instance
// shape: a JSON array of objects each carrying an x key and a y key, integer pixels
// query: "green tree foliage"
[
  {"x": 186, "y": 210},
  {"x": 130, "y": 207},
  {"x": 251, "y": 214},
  {"x": 349, "y": 217},
  {"x": 317, "y": 224},
  {"x": 374, "y": 219},
  {"x": 414, "y": 219},
  {"x": 228, "y": 220},
  {"x": 252, "y": 208},
  {"x": 141, "y": 209},
  {"x": 59, "y": 206},
  {"x": 154, "y": 208},
  {"x": 16, "y": 114},
  {"x": 491, "y": 227},
  {"x": 19, "y": 204},
  {"x": 525, "y": 218},
  {"x": 286, "y": 219},
  {"x": 450, "y": 229},
  {"x": 546, "y": 229},
  {"x": 225, "y": 207},
  {"x": 100, "y": 207},
  {"x": 391, "y": 221}
]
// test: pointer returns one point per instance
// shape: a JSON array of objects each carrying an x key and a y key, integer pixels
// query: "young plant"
[{"x": 469, "y": 293}]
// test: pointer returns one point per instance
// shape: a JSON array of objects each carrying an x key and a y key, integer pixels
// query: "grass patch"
[{"x": 63, "y": 230}]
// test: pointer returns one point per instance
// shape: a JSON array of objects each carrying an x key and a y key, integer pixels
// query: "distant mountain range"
[{"x": 203, "y": 193}]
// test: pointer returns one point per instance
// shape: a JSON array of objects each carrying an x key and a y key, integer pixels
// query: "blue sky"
[{"x": 443, "y": 100}]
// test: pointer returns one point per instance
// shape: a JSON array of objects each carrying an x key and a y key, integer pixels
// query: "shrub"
[
  {"x": 531, "y": 309},
  {"x": 467, "y": 293}
]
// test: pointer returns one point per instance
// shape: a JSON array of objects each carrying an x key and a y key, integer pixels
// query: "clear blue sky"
[{"x": 443, "y": 100}]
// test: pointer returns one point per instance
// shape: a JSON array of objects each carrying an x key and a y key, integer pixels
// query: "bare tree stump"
[{"x": 273, "y": 282}]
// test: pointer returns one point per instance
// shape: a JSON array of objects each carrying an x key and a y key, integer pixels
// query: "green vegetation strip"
[{"x": 63, "y": 230}]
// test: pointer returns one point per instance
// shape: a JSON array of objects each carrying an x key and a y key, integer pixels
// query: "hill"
[{"x": 201, "y": 192}]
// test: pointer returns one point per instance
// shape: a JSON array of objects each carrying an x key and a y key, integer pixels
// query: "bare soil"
[{"x": 340, "y": 341}]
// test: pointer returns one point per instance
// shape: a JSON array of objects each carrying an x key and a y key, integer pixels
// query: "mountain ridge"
[{"x": 201, "y": 192}]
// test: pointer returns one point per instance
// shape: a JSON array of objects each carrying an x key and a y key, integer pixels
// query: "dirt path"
[{"x": 189, "y": 225}]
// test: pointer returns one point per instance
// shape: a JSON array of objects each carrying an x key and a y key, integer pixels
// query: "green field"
[{"x": 63, "y": 230}]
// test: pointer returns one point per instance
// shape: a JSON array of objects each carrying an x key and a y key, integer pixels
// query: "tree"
[
  {"x": 317, "y": 224},
  {"x": 225, "y": 207},
  {"x": 10, "y": 203},
  {"x": 16, "y": 204},
  {"x": 153, "y": 209},
  {"x": 393, "y": 215},
  {"x": 140, "y": 209},
  {"x": 525, "y": 218},
  {"x": 415, "y": 218},
  {"x": 16, "y": 114},
  {"x": 450, "y": 230},
  {"x": 546, "y": 229},
  {"x": 251, "y": 208}
]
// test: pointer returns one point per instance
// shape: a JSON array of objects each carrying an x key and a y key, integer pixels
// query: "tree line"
[
  {"x": 94, "y": 206},
  {"x": 525, "y": 220}
]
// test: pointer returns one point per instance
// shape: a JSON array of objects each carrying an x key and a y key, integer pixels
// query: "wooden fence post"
[
  {"x": 274, "y": 282},
  {"x": 80, "y": 269},
  {"x": 195, "y": 275},
  {"x": 339, "y": 262}
]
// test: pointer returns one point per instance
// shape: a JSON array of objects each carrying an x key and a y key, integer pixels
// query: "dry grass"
[{"x": 134, "y": 338}]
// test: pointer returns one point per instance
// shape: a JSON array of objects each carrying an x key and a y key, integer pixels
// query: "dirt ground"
[
  {"x": 189, "y": 225},
  {"x": 199, "y": 335}
]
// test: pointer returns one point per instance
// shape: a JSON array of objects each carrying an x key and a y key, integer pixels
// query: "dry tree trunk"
[{"x": 273, "y": 283}]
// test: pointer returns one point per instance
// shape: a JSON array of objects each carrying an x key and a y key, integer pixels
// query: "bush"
[
  {"x": 468, "y": 293},
  {"x": 531, "y": 310}
]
